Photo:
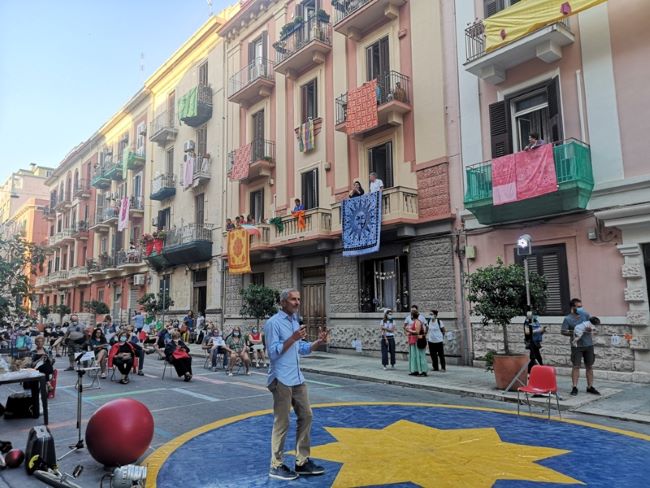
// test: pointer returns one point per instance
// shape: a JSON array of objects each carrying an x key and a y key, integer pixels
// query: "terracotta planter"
[
  {"x": 148, "y": 248},
  {"x": 505, "y": 369}
]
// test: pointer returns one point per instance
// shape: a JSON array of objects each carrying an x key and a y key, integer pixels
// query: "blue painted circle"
[{"x": 238, "y": 454}]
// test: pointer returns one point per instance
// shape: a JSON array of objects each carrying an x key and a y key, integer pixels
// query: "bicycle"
[{"x": 58, "y": 479}]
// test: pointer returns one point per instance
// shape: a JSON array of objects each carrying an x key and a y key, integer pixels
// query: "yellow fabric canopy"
[
  {"x": 528, "y": 16},
  {"x": 239, "y": 261}
]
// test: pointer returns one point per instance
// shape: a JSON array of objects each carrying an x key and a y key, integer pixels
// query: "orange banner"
[
  {"x": 239, "y": 261},
  {"x": 300, "y": 215}
]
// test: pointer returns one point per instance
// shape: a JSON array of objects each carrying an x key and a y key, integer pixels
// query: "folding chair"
[{"x": 542, "y": 381}]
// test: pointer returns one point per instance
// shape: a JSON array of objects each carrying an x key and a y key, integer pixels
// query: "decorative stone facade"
[
  {"x": 343, "y": 283},
  {"x": 433, "y": 191}
]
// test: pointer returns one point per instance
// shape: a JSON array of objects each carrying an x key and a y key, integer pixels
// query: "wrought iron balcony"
[
  {"x": 80, "y": 230},
  {"x": 191, "y": 243},
  {"x": 202, "y": 171},
  {"x": 575, "y": 182},
  {"x": 131, "y": 258},
  {"x": 195, "y": 107},
  {"x": 49, "y": 213},
  {"x": 163, "y": 187},
  {"x": 109, "y": 215},
  {"x": 82, "y": 189},
  {"x": 163, "y": 129},
  {"x": 100, "y": 179},
  {"x": 136, "y": 205},
  {"x": 355, "y": 18},
  {"x": 63, "y": 201},
  {"x": 262, "y": 159},
  {"x": 306, "y": 46},
  {"x": 114, "y": 171},
  {"x": 98, "y": 224},
  {"x": 135, "y": 160},
  {"x": 252, "y": 83},
  {"x": 393, "y": 101}
]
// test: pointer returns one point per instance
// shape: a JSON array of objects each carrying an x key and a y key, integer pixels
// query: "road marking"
[
  {"x": 323, "y": 383},
  {"x": 196, "y": 395},
  {"x": 124, "y": 394}
]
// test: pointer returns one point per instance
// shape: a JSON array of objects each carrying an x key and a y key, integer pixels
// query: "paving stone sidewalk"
[{"x": 618, "y": 400}]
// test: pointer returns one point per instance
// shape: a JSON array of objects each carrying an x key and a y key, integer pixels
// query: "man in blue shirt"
[
  {"x": 285, "y": 343},
  {"x": 138, "y": 321}
]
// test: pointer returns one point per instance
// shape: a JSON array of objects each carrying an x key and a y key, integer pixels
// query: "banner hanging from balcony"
[
  {"x": 306, "y": 136},
  {"x": 362, "y": 108},
  {"x": 523, "y": 175},
  {"x": 123, "y": 220},
  {"x": 361, "y": 224},
  {"x": 523, "y": 18},
  {"x": 187, "y": 172},
  {"x": 188, "y": 105},
  {"x": 239, "y": 252},
  {"x": 242, "y": 160}
]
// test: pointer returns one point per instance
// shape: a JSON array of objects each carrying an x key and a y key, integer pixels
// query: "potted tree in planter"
[
  {"x": 259, "y": 302},
  {"x": 498, "y": 294},
  {"x": 95, "y": 307}
]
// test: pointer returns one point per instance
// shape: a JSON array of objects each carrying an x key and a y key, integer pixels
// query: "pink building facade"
[{"x": 578, "y": 83}]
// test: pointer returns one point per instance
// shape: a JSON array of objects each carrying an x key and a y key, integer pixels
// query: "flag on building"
[
  {"x": 239, "y": 251},
  {"x": 504, "y": 180},
  {"x": 123, "y": 218},
  {"x": 241, "y": 162},
  {"x": 362, "y": 108},
  {"x": 361, "y": 224}
]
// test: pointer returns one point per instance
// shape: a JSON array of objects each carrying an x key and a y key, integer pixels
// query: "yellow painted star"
[{"x": 409, "y": 452}]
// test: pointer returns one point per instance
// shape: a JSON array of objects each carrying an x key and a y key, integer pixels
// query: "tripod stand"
[{"x": 80, "y": 386}]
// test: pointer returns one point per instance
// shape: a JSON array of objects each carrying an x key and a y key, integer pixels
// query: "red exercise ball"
[
  {"x": 119, "y": 432},
  {"x": 14, "y": 458}
]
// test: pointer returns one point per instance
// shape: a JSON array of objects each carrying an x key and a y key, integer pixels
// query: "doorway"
[
  {"x": 312, "y": 292},
  {"x": 200, "y": 291}
]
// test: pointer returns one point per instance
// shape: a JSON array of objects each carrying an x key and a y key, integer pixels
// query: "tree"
[
  {"x": 19, "y": 260},
  {"x": 153, "y": 304},
  {"x": 43, "y": 311},
  {"x": 498, "y": 293},
  {"x": 62, "y": 309},
  {"x": 95, "y": 307},
  {"x": 259, "y": 302}
]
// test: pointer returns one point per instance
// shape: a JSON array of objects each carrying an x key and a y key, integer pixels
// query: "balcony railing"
[
  {"x": 63, "y": 201},
  {"x": 574, "y": 179},
  {"x": 163, "y": 187},
  {"x": 262, "y": 159},
  {"x": 190, "y": 243},
  {"x": 80, "y": 230},
  {"x": 60, "y": 237},
  {"x": 136, "y": 204},
  {"x": 49, "y": 212},
  {"x": 100, "y": 178},
  {"x": 135, "y": 160},
  {"x": 188, "y": 233},
  {"x": 305, "y": 46},
  {"x": 78, "y": 273},
  {"x": 318, "y": 222},
  {"x": 114, "y": 170},
  {"x": 163, "y": 128},
  {"x": 107, "y": 215},
  {"x": 41, "y": 281},
  {"x": 355, "y": 18},
  {"x": 82, "y": 189},
  {"x": 195, "y": 107},
  {"x": 202, "y": 171},
  {"x": 130, "y": 257},
  {"x": 252, "y": 83},
  {"x": 58, "y": 276}
]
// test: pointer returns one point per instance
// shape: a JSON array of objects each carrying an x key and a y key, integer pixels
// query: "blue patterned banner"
[{"x": 361, "y": 220}]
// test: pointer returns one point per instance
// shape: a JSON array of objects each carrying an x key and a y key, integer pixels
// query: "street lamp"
[{"x": 525, "y": 249}]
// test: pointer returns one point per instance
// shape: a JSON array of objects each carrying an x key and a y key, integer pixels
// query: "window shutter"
[
  {"x": 251, "y": 52},
  {"x": 501, "y": 139},
  {"x": 554, "y": 111},
  {"x": 491, "y": 7},
  {"x": 265, "y": 41},
  {"x": 315, "y": 188}
]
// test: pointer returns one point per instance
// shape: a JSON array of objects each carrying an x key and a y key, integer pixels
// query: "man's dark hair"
[
  {"x": 434, "y": 312},
  {"x": 534, "y": 135},
  {"x": 415, "y": 307},
  {"x": 575, "y": 301},
  {"x": 594, "y": 320}
]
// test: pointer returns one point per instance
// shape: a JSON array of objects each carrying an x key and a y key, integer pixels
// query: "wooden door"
[{"x": 313, "y": 300}]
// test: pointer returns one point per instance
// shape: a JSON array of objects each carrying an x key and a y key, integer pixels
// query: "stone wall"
[
  {"x": 343, "y": 284},
  {"x": 234, "y": 283},
  {"x": 431, "y": 274},
  {"x": 279, "y": 275},
  {"x": 433, "y": 191}
]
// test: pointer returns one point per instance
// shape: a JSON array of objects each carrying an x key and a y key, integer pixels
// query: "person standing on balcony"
[
  {"x": 534, "y": 141},
  {"x": 298, "y": 205},
  {"x": 375, "y": 183},
  {"x": 357, "y": 190}
]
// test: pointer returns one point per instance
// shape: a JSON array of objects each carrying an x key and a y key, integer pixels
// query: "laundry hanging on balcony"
[
  {"x": 529, "y": 16},
  {"x": 188, "y": 104},
  {"x": 361, "y": 224},
  {"x": 123, "y": 220},
  {"x": 239, "y": 252},
  {"x": 523, "y": 175},
  {"x": 242, "y": 160},
  {"x": 362, "y": 108},
  {"x": 188, "y": 172},
  {"x": 306, "y": 136}
]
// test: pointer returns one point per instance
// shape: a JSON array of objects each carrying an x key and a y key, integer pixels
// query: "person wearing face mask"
[
  {"x": 178, "y": 355},
  {"x": 123, "y": 356},
  {"x": 236, "y": 347},
  {"x": 388, "y": 340},
  {"x": 256, "y": 341},
  {"x": 584, "y": 350},
  {"x": 217, "y": 346}
]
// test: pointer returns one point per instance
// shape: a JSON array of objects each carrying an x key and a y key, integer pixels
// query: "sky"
[{"x": 66, "y": 66}]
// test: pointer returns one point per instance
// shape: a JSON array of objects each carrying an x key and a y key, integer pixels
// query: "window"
[
  {"x": 169, "y": 162},
  {"x": 124, "y": 142},
  {"x": 202, "y": 140},
  {"x": 164, "y": 218},
  {"x": 536, "y": 109},
  {"x": 199, "y": 209},
  {"x": 258, "y": 136},
  {"x": 103, "y": 245},
  {"x": 171, "y": 108},
  {"x": 139, "y": 139},
  {"x": 384, "y": 283},
  {"x": 309, "y": 101},
  {"x": 257, "y": 57},
  {"x": 165, "y": 285},
  {"x": 100, "y": 296},
  {"x": 137, "y": 186},
  {"x": 257, "y": 205},
  {"x": 377, "y": 61},
  {"x": 72, "y": 262},
  {"x": 380, "y": 161},
  {"x": 257, "y": 279},
  {"x": 309, "y": 181},
  {"x": 491, "y": 7},
  {"x": 203, "y": 73},
  {"x": 550, "y": 262}
]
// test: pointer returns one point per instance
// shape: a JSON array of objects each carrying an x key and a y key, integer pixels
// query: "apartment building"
[
  {"x": 576, "y": 81},
  {"x": 291, "y": 65},
  {"x": 186, "y": 173},
  {"x": 20, "y": 188}
]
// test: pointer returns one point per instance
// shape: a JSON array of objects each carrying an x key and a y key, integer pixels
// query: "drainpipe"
[{"x": 467, "y": 324}]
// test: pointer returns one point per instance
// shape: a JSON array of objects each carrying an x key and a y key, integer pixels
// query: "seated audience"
[
  {"x": 99, "y": 346},
  {"x": 178, "y": 355},
  {"x": 236, "y": 347},
  {"x": 123, "y": 356}
]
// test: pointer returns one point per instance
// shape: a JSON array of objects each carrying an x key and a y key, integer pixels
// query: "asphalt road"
[{"x": 178, "y": 407}]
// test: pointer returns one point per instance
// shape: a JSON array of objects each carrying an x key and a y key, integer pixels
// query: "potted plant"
[
  {"x": 277, "y": 222},
  {"x": 498, "y": 294},
  {"x": 259, "y": 302}
]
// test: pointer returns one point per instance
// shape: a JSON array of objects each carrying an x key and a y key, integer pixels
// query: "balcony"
[
  {"x": 67, "y": 236},
  {"x": 100, "y": 179},
  {"x": 95, "y": 269},
  {"x": 108, "y": 264},
  {"x": 78, "y": 273},
  {"x": 156, "y": 259},
  {"x": 195, "y": 107},
  {"x": 60, "y": 237},
  {"x": 202, "y": 172},
  {"x": 318, "y": 224},
  {"x": 545, "y": 43},
  {"x": 163, "y": 187},
  {"x": 98, "y": 225},
  {"x": 262, "y": 159},
  {"x": 355, "y": 18},
  {"x": 49, "y": 213},
  {"x": 109, "y": 215},
  {"x": 163, "y": 129},
  {"x": 136, "y": 206},
  {"x": 252, "y": 83},
  {"x": 81, "y": 189},
  {"x": 41, "y": 281},
  {"x": 305, "y": 47},
  {"x": 257, "y": 242},
  {"x": 393, "y": 101},
  {"x": 191, "y": 243},
  {"x": 114, "y": 171},
  {"x": 574, "y": 179},
  {"x": 135, "y": 160},
  {"x": 80, "y": 230},
  {"x": 130, "y": 260},
  {"x": 63, "y": 202},
  {"x": 58, "y": 277}
]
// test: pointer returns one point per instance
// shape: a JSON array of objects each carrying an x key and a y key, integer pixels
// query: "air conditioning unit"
[
  {"x": 188, "y": 146},
  {"x": 138, "y": 280}
]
